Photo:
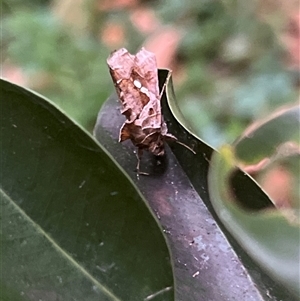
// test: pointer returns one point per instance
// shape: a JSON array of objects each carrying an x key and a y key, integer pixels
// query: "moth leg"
[
  {"x": 170, "y": 137},
  {"x": 139, "y": 156},
  {"x": 186, "y": 146}
]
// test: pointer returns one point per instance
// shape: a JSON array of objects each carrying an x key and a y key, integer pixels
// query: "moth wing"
[
  {"x": 121, "y": 63},
  {"x": 151, "y": 116},
  {"x": 147, "y": 69},
  {"x": 127, "y": 76},
  {"x": 133, "y": 132},
  {"x": 151, "y": 112},
  {"x": 124, "y": 132}
]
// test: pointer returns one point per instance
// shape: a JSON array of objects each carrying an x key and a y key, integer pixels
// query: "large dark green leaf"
[
  {"x": 206, "y": 266},
  {"x": 73, "y": 225}
]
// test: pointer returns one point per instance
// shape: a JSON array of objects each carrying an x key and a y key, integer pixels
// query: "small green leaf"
[
  {"x": 270, "y": 151},
  {"x": 267, "y": 235},
  {"x": 262, "y": 138},
  {"x": 74, "y": 227}
]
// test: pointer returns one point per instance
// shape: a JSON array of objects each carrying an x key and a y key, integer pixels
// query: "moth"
[{"x": 136, "y": 81}]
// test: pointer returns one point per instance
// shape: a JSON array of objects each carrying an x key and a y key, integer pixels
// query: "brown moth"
[{"x": 136, "y": 81}]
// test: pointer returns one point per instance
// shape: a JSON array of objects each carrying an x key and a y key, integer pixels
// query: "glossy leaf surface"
[{"x": 74, "y": 227}]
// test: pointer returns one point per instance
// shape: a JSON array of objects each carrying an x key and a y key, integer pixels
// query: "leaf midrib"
[{"x": 67, "y": 256}]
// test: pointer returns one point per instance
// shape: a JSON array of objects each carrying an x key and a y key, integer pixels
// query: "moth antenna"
[
  {"x": 186, "y": 146},
  {"x": 139, "y": 156},
  {"x": 164, "y": 86}
]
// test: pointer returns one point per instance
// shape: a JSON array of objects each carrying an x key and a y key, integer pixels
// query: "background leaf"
[
  {"x": 266, "y": 235},
  {"x": 262, "y": 138},
  {"x": 74, "y": 226},
  {"x": 269, "y": 150}
]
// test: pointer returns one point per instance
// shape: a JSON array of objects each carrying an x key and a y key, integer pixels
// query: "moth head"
[{"x": 157, "y": 148}]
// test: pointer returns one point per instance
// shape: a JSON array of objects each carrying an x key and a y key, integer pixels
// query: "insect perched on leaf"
[{"x": 136, "y": 80}]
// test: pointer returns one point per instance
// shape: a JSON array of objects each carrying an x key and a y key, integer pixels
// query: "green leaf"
[
  {"x": 270, "y": 148},
  {"x": 263, "y": 138},
  {"x": 74, "y": 227},
  {"x": 267, "y": 235}
]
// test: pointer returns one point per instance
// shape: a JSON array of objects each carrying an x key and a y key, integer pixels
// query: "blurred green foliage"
[
  {"x": 75, "y": 67},
  {"x": 234, "y": 67},
  {"x": 232, "y": 61}
]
